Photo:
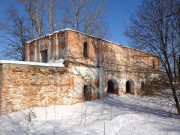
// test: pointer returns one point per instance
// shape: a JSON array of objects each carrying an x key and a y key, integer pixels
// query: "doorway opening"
[
  {"x": 87, "y": 92},
  {"x": 130, "y": 86},
  {"x": 112, "y": 86},
  {"x": 44, "y": 56}
]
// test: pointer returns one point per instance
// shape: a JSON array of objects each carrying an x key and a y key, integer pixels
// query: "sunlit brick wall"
[{"x": 26, "y": 86}]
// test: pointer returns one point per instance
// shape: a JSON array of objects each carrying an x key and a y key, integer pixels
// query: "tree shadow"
[{"x": 119, "y": 104}]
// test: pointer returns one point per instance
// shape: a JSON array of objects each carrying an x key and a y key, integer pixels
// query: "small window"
[
  {"x": 85, "y": 50},
  {"x": 44, "y": 57}
]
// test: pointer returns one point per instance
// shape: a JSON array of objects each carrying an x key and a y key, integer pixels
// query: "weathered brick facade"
[{"x": 93, "y": 67}]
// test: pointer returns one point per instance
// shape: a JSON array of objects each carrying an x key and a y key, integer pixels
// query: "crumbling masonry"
[{"x": 67, "y": 67}]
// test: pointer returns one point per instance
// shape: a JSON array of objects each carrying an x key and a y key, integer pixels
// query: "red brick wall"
[
  {"x": 119, "y": 62},
  {"x": 111, "y": 53},
  {"x": 68, "y": 45},
  {"x": 54, "y": 44},
  {"x": 25, "y": 86},
  {"x": 75, "y": 48}
]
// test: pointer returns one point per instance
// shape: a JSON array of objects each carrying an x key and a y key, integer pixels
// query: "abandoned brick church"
[{"x": 67, "y": 67}]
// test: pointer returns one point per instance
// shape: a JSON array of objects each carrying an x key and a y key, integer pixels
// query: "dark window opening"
[
  {"x": 85, "y": 50},
  {"x": 153, "y": 64},
  {"x": 87, "y": 92},
  {"x": 128, "y": 87},
  {"x": 142, "y": 86},
  {"x": 44, "y": 56}
]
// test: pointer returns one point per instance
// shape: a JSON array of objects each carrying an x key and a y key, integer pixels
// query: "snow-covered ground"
[{"x": 112, "y": 115}]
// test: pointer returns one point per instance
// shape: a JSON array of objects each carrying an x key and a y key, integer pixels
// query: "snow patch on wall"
[{"x": 58, "y": 63}]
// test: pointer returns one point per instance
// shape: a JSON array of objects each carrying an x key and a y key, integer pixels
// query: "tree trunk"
[{"x": 176, "y": 100}]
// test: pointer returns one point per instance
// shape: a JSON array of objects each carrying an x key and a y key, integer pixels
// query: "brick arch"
[{"x": 112, "y": 86}]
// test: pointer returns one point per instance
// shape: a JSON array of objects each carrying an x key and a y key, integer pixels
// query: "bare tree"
[
  {"x": 35, "y": 10},
  {"x": 15, "y": 34},
  {"x": 42, "y": 14},
  {"x": 41, "y": 17},
  {"x": 51, "y": 14},
  {"x": 85, "y": 15},
  {"x": 155, "y": 29},
  {"x": 20, "y": 28}
]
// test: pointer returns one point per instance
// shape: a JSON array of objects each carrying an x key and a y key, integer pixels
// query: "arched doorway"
[
  {"x": 128, "y": 87},
  {"x": 112, "y": 86}
]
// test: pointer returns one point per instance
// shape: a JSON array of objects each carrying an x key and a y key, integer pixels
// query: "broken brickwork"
[
  {"x": 93, "y": 67},
  {"x": 25, "y": 86},
  {"x": 106, "y": 60}
]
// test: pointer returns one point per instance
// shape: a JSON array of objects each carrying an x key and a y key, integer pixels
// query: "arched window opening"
[{"x": 85, "y": 50}]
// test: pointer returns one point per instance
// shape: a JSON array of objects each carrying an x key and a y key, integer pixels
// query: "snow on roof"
[
  {"x": 69, "y": 29},
  {"x": 45, "y": 35},
  {"x": 58, "y": 64}
]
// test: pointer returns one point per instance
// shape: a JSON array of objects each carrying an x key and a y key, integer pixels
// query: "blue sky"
[{"x": 117, "y": 19}]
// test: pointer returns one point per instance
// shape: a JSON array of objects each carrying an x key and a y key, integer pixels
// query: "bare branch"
[
  {"x": 155, "y": 29},
  {"x": 86, "y": 16}
]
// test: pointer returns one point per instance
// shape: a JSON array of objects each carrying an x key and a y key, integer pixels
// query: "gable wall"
[
  {"x": 54, "y": 44},
  {"x": 75, "y": 48}
]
